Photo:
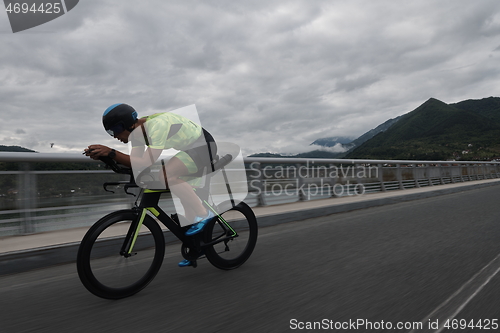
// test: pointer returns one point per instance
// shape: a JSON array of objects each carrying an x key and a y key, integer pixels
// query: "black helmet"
[{"x": 118, "y": 118}]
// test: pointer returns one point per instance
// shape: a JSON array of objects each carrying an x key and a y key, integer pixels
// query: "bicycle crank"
[{"x": 190, "y": 253}]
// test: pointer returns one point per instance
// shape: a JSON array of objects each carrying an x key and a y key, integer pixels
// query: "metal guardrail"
[{"x": 270, "y": 181}]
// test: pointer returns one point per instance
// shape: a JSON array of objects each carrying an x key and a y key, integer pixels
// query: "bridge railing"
[
  {"x": 278, "y": 180},
  {"x": 34, "y": 200}
]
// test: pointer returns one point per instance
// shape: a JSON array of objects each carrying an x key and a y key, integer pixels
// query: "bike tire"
[
  {"x": 108, "y": 274},
  {"x": 238, "y": 249}
]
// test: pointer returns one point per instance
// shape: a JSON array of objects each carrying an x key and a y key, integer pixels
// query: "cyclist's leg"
[
  {"x": 195, "y": 162},
  {"x": 189, "y": 213},
  {"x": 177, "y": 167}
]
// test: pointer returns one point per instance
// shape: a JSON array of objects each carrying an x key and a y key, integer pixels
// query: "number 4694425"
[
  {"x": 43, "y": 8},
  {"x": 485, "y": 324}
]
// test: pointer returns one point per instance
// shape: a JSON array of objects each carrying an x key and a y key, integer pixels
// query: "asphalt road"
[{"x": 386, "y": 265}]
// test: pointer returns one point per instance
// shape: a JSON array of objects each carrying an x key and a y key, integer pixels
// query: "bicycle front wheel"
[
  {"x": 234, "y": 234},
  {"x": 108, "y": 273}
]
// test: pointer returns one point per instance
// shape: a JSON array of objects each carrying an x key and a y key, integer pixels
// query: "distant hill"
[
  {"x": 310, "y": 154},
  {"x": 11, "y": 166},
  {"x": 332, "y": 141},
  {"x": 487, "y": 107},
  {"x": 349, "y": 143},
  {"x": 319, "y": 154},
  {"x": 438, "y": 131},
  {"x": 15, "y": 149},
  {"x": 266, "y": 155},
  {"x": 371, "y": 133}
]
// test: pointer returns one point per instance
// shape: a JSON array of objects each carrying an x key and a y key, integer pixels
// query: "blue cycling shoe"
[
  {"x": 185, "y": 263},
  {"x": 202, "y": 222}
]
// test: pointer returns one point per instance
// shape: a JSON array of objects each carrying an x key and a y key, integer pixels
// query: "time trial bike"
[{"x": 123, "y": 251}]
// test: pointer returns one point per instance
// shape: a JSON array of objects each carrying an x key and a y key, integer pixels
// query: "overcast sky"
[{"x": 268, "y": 75}]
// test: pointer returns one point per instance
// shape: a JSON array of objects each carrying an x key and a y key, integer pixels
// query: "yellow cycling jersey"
[{"x": 169, "y": 130}]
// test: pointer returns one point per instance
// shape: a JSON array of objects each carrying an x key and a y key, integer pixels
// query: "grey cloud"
[
  {"x": 268, "y": 74},
  {"x": 348, "y": 84},
  {"x": 206, "y": 57}
]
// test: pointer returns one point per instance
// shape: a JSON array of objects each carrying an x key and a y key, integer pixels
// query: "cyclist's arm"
[
  {"x": 123, "y": 159},
  {"x": 96, "y": 151},
  {"x": 142, "y": 158}
]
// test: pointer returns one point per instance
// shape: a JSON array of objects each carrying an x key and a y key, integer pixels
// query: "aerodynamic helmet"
[{"x": 118, "y": 118}]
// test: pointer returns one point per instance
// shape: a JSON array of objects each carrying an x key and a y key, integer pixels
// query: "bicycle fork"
[{"x": 133, "y": 232}]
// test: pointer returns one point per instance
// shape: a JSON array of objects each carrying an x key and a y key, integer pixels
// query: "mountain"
[
  {"x": 310, "y": 154},
  {"x": 350, "y": 144},
  {"x": 488, "y": 107},
  {"x": 347, "y": 143},
  {"x": 332, "y": 141},
  {"x": 266, "y": 155},
  {"x": 15, "y": 149},
  {"x": 320, "y": 154},
  {"x": 44, "y": 166},
  {"x": 468, "y": 130},
  {"x": 438, "y": 131},
  {"x": 371, "y": 133}
]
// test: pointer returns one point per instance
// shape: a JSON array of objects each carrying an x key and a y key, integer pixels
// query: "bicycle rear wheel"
[
  {"x": 235, "y": 232},
  {"x": 107, "y": 273}
]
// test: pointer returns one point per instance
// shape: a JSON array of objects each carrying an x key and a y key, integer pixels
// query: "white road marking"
[{"x": 449, "y": 309}]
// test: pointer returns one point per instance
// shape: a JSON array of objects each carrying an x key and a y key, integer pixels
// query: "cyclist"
[{"x": 164, "y": 131}]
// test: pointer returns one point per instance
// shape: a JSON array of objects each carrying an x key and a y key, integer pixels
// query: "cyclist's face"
[{"x": 123, "y": 136}]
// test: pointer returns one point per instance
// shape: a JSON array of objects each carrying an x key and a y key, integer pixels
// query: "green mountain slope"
[
  {"x": 15, "y": 149},
  {"x": 371, "y": 133},
  {"x": 487, "y": 107},
  {"x": 436, "y": 130},
  {"x": 309, "y": 154},
  {"x": 332, "y": 141}
]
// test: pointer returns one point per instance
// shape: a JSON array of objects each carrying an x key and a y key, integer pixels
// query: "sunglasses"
[{"x": 116, "y": 129}]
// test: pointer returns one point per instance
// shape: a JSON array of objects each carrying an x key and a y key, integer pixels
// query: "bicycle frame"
[
  {"x": 149, "y": 202},
  {"x": 110, "y": 263}
]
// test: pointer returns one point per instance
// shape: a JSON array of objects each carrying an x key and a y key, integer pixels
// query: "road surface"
[{"x": 404, "y": 264}]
